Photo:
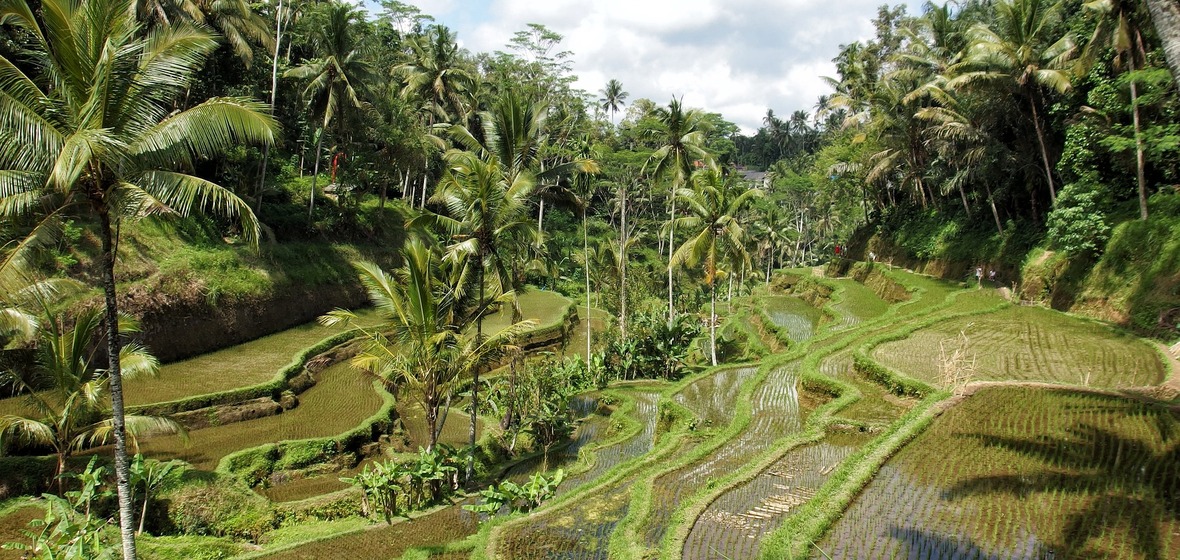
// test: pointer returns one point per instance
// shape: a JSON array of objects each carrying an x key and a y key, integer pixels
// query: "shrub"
[{"x": 219, "y": 508}]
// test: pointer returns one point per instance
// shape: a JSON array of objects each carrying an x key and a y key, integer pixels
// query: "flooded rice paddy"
[
  {"x": 1031, "y": 344},
  {"x": 1025, "y": 473},
  {"x": 1011, "y": 472},
  {"x": 339, "y": 402}
]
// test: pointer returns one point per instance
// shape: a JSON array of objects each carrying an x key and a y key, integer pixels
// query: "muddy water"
[
  {"x": 775, "y": 415},
  {"x": 582, "y": 529},
  {"x": 712, "y": 398},
  {"x": 734, "y": 524},
  {"x": 798, "y": 317},
  {"x": 13, "y": 526}
]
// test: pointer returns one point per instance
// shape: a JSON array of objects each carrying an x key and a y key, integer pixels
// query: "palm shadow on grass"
[{"x": 1129, "y": 484}]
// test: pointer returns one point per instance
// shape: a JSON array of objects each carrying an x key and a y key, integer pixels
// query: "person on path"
[{"x": 979, "y": 276}]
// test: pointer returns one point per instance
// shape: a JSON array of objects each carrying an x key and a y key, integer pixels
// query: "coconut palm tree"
[
  {"x": 73, "y": 414},
  {"x": 1119, "y": 28},
  {"x": 682, "y": 143},
  {"x": 336, "y": 77},
  {"x": 88, "y": 125},
  {"x": 613, "y": 98},
  {"x": 422, "y": 343},
  {"x": 487, "y": 219},
  {"x": 1019, "y": 53},
  {"x": 234, "y": 20},
  {"x": 1165, "y": 15},
  {"x": 715, "y": 206},
  {"x": 437, "y": 74}
]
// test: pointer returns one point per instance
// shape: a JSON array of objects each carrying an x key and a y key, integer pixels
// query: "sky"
[{"x": 733, "y": 57}]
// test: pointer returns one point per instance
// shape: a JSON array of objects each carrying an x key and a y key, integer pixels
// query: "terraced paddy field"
[
  {"x": 246, "y": 364},
  {"x": 796, "y": 316},
  {"x": 1015, "y": 472},
  {"x": 13, "y": 524},
  {"x": 581, "y": 528},
  {"x": 1030, "y": 344},
  {"x": 339, "y": 402}
]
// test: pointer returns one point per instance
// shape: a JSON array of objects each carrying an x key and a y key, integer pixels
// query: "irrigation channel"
[{"x": 747, "y": 460}]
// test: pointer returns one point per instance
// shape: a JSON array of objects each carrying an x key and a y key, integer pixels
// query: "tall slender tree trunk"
[
  {"x": 425, "y": 174},
  {"x": 992, "y": 202},
  {"x": 1140, "y": 158},
  {"x": 319, "y": 144},
  {"x": 623, "y": 234},
  {"x": 713, "y": 321},
  {"x": 1165, "y": 15},
  {"x": 274, "y": 86},
  {"x": 671, "y": 242},
  {"x": 1032, "y": 103},
  {"x": 470, "y": 474},
  {"x": 586, "y": 256},
  {"x": 963, "y": 196},
  {"x": 115, "y": 377}
]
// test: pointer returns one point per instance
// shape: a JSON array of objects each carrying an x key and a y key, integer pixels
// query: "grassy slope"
[{"x": 1133, "y": 282}]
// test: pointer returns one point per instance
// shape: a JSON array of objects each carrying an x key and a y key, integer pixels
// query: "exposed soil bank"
[{"x": 177, "y": 326}]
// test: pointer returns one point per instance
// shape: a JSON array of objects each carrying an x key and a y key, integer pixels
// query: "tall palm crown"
[
  {"x": 613, "y": 98},
  {"x": 487, "y": 219},
  {"x": 682, "y": 142},
  {"x": 437, "y": 75},
  {"x": 88, "y": 125},
  {"x": 715, "y": 206},
  {"x": 235, "y": 20},
  {"x": 340, "y": 70},
  {"x": 1020, "y": 52}
]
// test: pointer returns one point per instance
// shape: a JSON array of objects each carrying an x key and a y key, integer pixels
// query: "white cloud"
[{"x": 735, "y": 57}]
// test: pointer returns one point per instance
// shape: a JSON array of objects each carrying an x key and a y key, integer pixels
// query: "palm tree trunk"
[
  {"x": 963, "y": 196},
  {"x": 470, "y": 474},
  {"x": 992, "y": 202},
  {"x": 319, "y": 144},
  {"x": 115, "y": 377},
  {"x": 586, "y": 268},
  {"x": 671, "y": 240},
  {"x": 425, "y": 175},
  {"x": 143, "y": 512},
  {"x": 274, "y": 85},
  {"x": 1032, "y": 103},
  {"x": 1165, "y": 15},
  {"x": 713, "y": 321},
  {"x": 623, "y": 263},
  {"x": 1140, "y": 159}
]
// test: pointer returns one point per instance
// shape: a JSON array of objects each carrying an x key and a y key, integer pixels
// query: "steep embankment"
[
  {"x": 194, "y": 292},
  {"x": 1134, "y": 281}
]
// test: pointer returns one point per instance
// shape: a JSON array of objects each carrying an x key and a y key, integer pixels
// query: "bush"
[
  {"x": 219, "y": 508},
  {"x": 1078, "y": 225}
]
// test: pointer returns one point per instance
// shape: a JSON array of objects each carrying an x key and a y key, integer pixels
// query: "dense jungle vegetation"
[{"x": 164, "y": 158}]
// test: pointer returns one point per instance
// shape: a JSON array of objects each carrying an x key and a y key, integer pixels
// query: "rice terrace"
[{"x": 296, "y": 280}]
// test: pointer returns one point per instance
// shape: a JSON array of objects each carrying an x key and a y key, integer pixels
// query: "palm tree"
[
  {"x": 1119, "y": 29},
  {"x": 514, "y": 132},
  {"x": 613, "y": 98},
  {"x": 90, "y": 127},
  {"x": 235, "y": 20},
  {"x": 1165, "y": 15},
  {"x": 682, "y": 138},
  {"x": 715, "y": 206},
  {"x": 487, "y": 219},
  {"x": 336, "y": 76},
  {"x": 422, "y": 343},
  {"x": 1019, "y": 53},
  {"x": 437, "y": 75},
  {"x": 72, "y": 414}
]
